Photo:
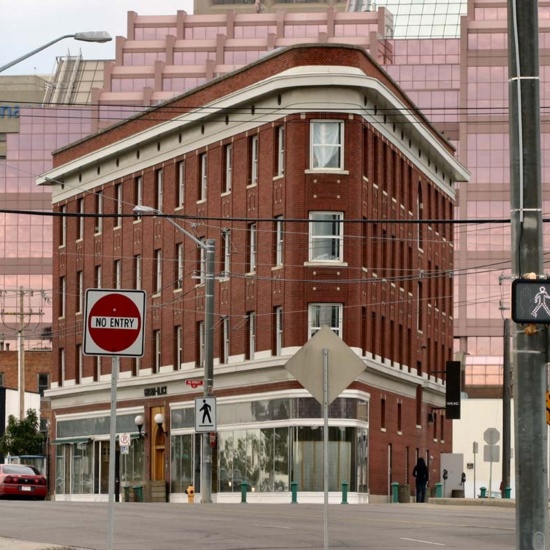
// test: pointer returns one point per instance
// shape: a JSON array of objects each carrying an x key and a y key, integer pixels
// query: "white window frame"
[
  {"x": 226, "y": 236},
  {"x": 118, "y": 204},
  {"x": 138, "y": 271},
  {"x": 224, "y": 357},
  {"x": 158, "y": 271},
  {"x": 159, "y": 183},
  {"x": 334, "y": 239},
  {"x": 202, "y": 344},
  {"x": 278, "y": 330},
  {"x": 179, "y": 266},
  {"x": 320, "y": 312},
  {"x": 63, "y": 233},
  {"x": 279, "y": 240},
  {"x": 80, "y": 208},
  {"x": 203, "y": 176},
  {"x": 201, "y": 275},
  {"x": 118, "y": 273},
  {"x": 181, "y": 184},
  {"x": 63, "y": 297},
  {"x": 179, "y": 347},
  {"x": 62, "y": 364},
  {"x": 280, "y": 151},
  {"x": 138, "y": 191},
  {"x": 327, "y": 145},
  {"x": 98, "y": 276},
  {"x": 252, "y": 247},
  {"x": 79, "y": 362},
  {"x": 254, "y": 152},
  {"x": 157, "y": 350},
  {"x": 79, "y": 291},
  {"x": 251, "y": 334},
  {"x": 99, "y": 212},
  {"x": 228, "y": 183}
]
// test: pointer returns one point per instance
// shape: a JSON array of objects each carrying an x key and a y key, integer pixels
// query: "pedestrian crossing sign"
[{"x": 205, "y": 414}]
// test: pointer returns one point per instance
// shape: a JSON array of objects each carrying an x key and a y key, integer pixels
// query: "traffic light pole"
[{"x": 527, "y": 257}]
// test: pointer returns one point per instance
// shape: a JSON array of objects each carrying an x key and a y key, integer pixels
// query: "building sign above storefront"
[{"x": 152, "y": 392}]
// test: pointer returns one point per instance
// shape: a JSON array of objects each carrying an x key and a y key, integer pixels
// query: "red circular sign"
[{"x": 114, "y": 323}]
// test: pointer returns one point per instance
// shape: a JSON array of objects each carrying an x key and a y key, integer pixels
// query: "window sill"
[
  {"x": 278, "y": 177},
  {"x": 226, "y": 193},
  {"x": 250, "y": 274},
  {"x": 251, "y": 185},
  {"x": 178, "y": 290},
  {"x": 275, "y": 268},
  {"x": 326, "y": 263},
  {"x": 180, "y": 207},
  {"x": 326, "y": 171},
  {"x": 383, "y": 430},
  {"x": 201, "y": 201}
]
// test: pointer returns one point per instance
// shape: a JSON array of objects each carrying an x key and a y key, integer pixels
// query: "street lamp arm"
[{"x": 100, "y": 36}]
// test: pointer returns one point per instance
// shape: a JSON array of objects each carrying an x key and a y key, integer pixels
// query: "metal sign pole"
[
  {"x": 325, "y": 445},
  {"x": 112, "y": 450}
]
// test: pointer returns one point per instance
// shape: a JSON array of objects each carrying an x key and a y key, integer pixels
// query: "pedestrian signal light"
[{"x": 531, "y": 301}]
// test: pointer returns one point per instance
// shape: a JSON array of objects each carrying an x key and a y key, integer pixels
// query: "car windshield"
[{"x": 19, "y": 469}]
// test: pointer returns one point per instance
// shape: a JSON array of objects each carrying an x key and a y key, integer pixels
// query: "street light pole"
[
  {"x": 92, "y": 36},
  {"x": 209, "y": 248}
]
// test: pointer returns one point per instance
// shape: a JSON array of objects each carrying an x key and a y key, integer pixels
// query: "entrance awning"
[{"x": 69, "y": 440}]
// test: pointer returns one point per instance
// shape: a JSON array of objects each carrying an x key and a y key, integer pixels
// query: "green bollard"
[
  {"x": 507, "y": 492},
  {"x": 244, "y": 490},
  {"x": 345, "y": 492},
  {"x": 294, "y": 489},
  {"x": 395, "y": 492},
  {"x": 439, "y": 490},
  {"x": 483, "y": 492}
]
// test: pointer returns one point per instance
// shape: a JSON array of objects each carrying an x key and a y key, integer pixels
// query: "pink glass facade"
[{"x": 459, "y": 83}]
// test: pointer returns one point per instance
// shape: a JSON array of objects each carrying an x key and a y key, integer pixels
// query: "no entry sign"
[{"x": 114, "y": 322}]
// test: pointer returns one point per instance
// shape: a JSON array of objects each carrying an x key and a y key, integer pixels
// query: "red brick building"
[{"x": 321, "y": 185}]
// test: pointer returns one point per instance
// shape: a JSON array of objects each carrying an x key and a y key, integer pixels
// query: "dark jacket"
[{"x": 420, "y": 472}]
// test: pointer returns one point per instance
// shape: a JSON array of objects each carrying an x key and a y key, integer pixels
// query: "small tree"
[{"x": 22, "y": 437}]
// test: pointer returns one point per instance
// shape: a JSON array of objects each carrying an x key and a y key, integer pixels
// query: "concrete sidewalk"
[
  {"x": 17, "y": 544},
  {"x": 500, "y": 502}
]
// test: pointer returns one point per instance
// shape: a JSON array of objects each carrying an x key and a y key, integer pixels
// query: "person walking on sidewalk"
[{"x": 420, "y": 472}]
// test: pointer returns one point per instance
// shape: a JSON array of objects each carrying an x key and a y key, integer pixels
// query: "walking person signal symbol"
[{"x": 205, "y": 414}]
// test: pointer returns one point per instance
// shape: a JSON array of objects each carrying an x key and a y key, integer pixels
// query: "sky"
[{"x": 28, "y": 24}]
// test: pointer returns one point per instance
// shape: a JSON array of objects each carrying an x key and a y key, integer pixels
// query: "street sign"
[
  {"x": 205, "y": 414},
  {"x": 491, "y": 436},
  {"x": 491, "y": 453},
  {"x": 124, "y": 440},
  {"x": 114, "y": 322},
  {"x": 124, "y": 450},
  {"x": 531, "y": 301}
]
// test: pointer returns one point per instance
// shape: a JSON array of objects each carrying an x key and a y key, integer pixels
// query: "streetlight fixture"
[
  {"x": 91, "y": 36},
  {"x": 209, "y": 248}
]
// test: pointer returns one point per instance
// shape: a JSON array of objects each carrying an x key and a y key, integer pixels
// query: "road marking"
[
  {"x": 424, "y": 541},
  {"x": 271, "y": 526}
]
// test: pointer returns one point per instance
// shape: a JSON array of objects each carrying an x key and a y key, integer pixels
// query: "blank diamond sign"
[{"x": 344, "y": 366}]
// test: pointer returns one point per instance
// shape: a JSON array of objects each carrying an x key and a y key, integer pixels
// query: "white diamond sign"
[{"x": 344, "y": 366}]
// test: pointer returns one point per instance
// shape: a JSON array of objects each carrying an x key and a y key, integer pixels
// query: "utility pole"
[
  {"x": 506, "y": 416},
  {"x": 527, "y": 252}
]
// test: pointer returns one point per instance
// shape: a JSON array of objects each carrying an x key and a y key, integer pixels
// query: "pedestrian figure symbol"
[
  {"x": 205, "y": 409},
  {"x": 205, "y": 414},
  {"x": 540, "y": 301}
]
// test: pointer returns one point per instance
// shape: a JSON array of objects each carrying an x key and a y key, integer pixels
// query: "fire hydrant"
[{"x": 190, "y": 494}]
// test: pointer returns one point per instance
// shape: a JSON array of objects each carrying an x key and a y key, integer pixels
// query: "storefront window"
[
  {"x": 181, "y": 472},
  {"x": 82, "y": 468}
]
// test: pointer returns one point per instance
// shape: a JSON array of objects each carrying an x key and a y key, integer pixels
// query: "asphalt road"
[{"x": 143, "y": 526}]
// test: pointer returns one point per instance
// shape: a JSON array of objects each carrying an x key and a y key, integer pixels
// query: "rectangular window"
[
  {"x": 179, "y": 267},
  {"x": 157, "y": 283},
  {"x": 99, "y": 212},
  {"x": 97, "y": 369},
  {"x": 278, "y": 331},
  {"x": 201, "y": 263},
  {"x": 178, "y": 347},
  {"x": 137, "y": 271},
  {"x": 201, "y": 343},
  {"x": 158, "y": 189},
  {"x": 203, "y": 176},
  {"x": 117, "y": 274},
  {"x": 79, "y": 291},
  {"x": 399, "y": 418},
  {"x": 252, "y": 247},
  {"x": 279, "y": 238},
  {"x": 326, "y": 145},
  {"x": 62, "y": 372},
  {"x": 97, "y": 276},
  {"x": 2, "y": 381},
  {"x": 383, "y": 413},
  {"x": 325, "y": 314},
  {"x": 43, "y": 383},
  {"x": 80, "y": 220},
  {"x": 62, "y": 296},
  {"x": 226, "y": 252},
  {"x": 79, "y": 364},
  {"x": 280, "y": 150},
  {"x": 63, "y": 226},
  {"x": 253, "y": 151},
  {"x": 326, "y": 237},
  {"x": 181, "y": 183},
  {"x": 228, "y": 180},
  {"x": 224, "y": 355},
  {"x": 118, "y": 204},
  {"x": 138, "y": 191},
  {"x": 251, "y": 335},
  {"x": 419, "y": 304},
  {"x": 157, "y": 343}
]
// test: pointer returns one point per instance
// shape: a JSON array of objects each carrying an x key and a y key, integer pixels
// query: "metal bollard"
[
  {"x": 244, "y": 490},
  {"x": 507, "y": 492},
  {"x": 294, "y": 489},
  {"x": 395, "y": 492},
  {"x": 345, "y": 485}
]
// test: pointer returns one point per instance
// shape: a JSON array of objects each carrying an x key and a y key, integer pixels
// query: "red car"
[{"x": 20, "y": 481}]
